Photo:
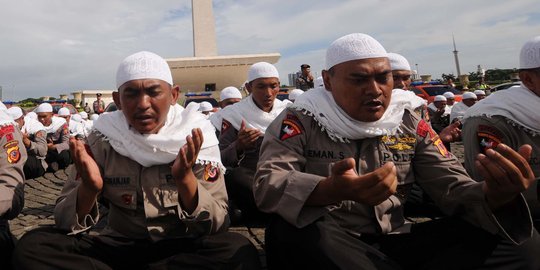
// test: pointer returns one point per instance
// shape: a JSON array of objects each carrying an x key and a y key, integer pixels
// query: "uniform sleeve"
[
  {"x": 211, "y": 215},
  {"x": 65, "y": 212},
  {"x": 38, "y": 146},
  {"x": 227, "y": 145},
  {"x": 280, "y": 184},
  {"x": 480, "y": 134},
  {"x": 12, "y": 159},
  {"x": 448, "y": 184},
  {"x": 64, "y": 143}
]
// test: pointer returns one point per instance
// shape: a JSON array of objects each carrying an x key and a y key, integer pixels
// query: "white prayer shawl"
[
  {"x": 517, "y": 104},
  {"x": 216, "y": 119},
  {"x": 320, "y": 104},
  {"x": 458, "y": 111},
  {"x": 5, "y": 119},
  {"x": 76, "y": 128},
  {"x": 163, "y": 147},
  {"x": 254, "y": 117},
  {"x": 32, "y": 126},
  {"x": 447, "y": 109},
  {"x": 57, "y": 123}
]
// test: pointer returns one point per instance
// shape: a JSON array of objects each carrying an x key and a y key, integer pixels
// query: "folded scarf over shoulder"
[
  {"x": 339, "y": 126},
  {"x": 248, "y": 111},
  {"x": 57, "y": 123},
  {"x": 163, "y": 147},
  {"x": 31, "y": 126},
  {"x": 5, "y": 119},
  {"x": 517, "y": 104}
]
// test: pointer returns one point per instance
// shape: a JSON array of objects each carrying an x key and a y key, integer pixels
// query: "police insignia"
[
  {"x": 127, "y": 199},
  {"x": 225, "y": 125},
  {"x": 290, "y": 127},
  {"x": 211, "y": 173},
  {"x": 437, "y": 142},
  {"x": 488, "y": 137},
  {"x": 13, "y": 152},
  {"x": 65, "y": 129},
  {"x": 422, "y": 129},
  {"x": 6, "y": 130}
]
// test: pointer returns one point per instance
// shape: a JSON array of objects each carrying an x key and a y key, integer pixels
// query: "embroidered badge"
[
  {"x": 488, "y": 137},
  {"x": 65, "y": 129},
  {"x": 13, "y": 152},
  {"x": 422, "y": 129},
  {"x": 6, "y": 130},
  {"x": 290, "y": 127},
  {"x": 211, "y": 173},
  {"x": 437, "y": 142},
  {"x": 399, "y": 143},
  {"x": 225, "y": 125},
  {"x": 127, "y": 199}
]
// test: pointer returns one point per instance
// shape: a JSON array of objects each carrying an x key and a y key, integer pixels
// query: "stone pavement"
[{"x": 41, "y": 194}]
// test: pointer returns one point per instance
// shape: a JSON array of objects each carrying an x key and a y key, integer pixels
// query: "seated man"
[
  {"x": 157, "y": 165},
  {"x": 338, "y": 182},
  {"x": 12, "y": 159},
  {"x": 509, "y": 117},
  {"x": 244, "y": 124},
  {"x": 35, "y": 142},
  {"x": 75, "y": 128},
  {"x": 459, "y": 109},
  {"x": 439, "y": 113},
  {"x": 227, "y": 97},
  {"x": 58, "y": 156}
]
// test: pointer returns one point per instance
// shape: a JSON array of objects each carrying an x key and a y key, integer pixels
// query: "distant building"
[{"x": 292, "y": 78}]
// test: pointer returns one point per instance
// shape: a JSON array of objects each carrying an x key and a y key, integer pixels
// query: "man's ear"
[
  {"x": 526, "y": 79},
  {"x": 326, "y": 78},
  {"x": 248, "y": 87},
  {"x": 175, "y": 93},
  {"x": 116, "y": 99}
]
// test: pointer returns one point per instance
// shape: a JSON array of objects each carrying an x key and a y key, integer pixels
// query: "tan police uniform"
[
  {"x": 60, "y": 139},
  {"x": 12, "y": 159},
  {"x": 143, "y": 201},
  {"x": 482, "y": 133},
  {"x": 35, "y": 165},
  {"x": 296, "y": 155}
]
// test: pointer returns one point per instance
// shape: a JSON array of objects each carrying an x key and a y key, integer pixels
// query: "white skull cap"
[
  {"x": 353, "y": 47},
  {"x": 529, "y": 57},
  {"x": 469, "y": 95},
  {"x": 449, "y": 95},
  {"x": 143, "y": 65},
  {"x": 230, "y": 92},
  {"x": 439, "y": 98},
  {"x": 44, "y": 107},
  {"x": 262, "y": 70},
  {"x": 398, "y": 62}
]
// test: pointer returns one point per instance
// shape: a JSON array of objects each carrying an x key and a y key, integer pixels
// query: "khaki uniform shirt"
[
  {"x": 60, "y": 138},
  {"x": 143, "y": 201},
  {"x": 227, "y": 146},
  {"x": 296, "y": 155},
  {"x": 12, "y": 159},
  {"x": 482, "y": 133}
]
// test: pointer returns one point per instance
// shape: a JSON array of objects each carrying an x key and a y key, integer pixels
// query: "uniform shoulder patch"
[
  {"x": 12, "y": 151},
  {"x": 65, "y": 129},
  {"x": 423, "y": 129},
  {"x": 211, "y": 173},
  {"x": 290, "y": 127},
  {"x": 488, "y": 137},
  {"x": 225, "y": 125}
]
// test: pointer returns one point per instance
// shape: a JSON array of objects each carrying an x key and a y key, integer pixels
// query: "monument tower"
[{"x": 206, "y": 70}]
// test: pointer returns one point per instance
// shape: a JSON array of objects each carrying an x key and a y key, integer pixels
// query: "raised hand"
[
  {"x": 506, "y": 173},
  {"x": 451, "y": 133},
  {"x": 247, "y": 137},
  {"x": 187, "y": 156}
]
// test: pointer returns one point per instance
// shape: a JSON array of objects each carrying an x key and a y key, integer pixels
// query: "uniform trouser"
[
  {"x": 33, "y": 167},
  {"x": 50, "y": 248},
  {"x": 7, "y": 244},
  {"x": 63, "y": 158},
  {"x": 441, "y": 244},
  {"x": 240, "y": 189}
]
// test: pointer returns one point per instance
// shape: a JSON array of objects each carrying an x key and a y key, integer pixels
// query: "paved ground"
[{"x": 41, "y": 194}]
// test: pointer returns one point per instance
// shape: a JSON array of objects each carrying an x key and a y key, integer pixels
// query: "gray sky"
[{"x": 59, "y": 46}]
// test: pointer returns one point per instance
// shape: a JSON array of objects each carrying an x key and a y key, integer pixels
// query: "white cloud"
[{"x": 53, "y": 47}]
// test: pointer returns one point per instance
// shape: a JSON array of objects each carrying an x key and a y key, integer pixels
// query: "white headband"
[
  {"x": 353, "y": 47},
  {"x": 143, "y": 65}
]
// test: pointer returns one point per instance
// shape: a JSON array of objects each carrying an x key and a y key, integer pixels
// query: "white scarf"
[
  {"x": 163, "y": 147},
  {"x": 216, "y": 119},
  {"x": 458, "y": 110},
  {"x": 57, "y": 122},
  {"x": 517, "y": 104},
  {"x": 31, "y": 126},
  {"x": 247, "y": 110},
  {"x": 320, "y": 104},
  {"x": 5, "y": 119},
  {"x": 447, "y": 109}
]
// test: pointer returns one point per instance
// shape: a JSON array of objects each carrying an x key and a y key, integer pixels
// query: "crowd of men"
[{"x": 330, "y": 172}]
